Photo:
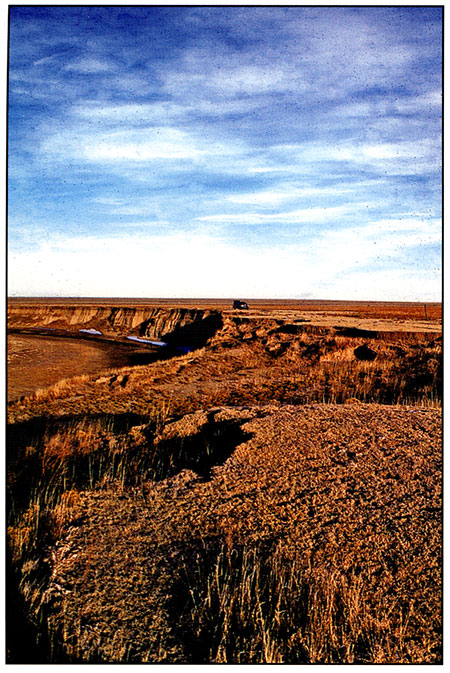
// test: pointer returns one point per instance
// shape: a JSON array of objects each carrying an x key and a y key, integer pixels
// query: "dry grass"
[
  {"x": 288, "y": 368},
  {"x": 317, "y": 541},
  {"x": 270, "y": 498},
  {"x": 255, "y": 607}
]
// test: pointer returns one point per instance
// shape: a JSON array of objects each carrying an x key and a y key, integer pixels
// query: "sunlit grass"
[{"x": 236, "y": 599}]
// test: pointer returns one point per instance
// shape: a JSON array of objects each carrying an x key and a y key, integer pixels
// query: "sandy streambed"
[{"x": 39, "y": 361}]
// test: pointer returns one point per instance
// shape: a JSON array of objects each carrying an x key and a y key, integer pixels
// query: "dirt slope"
[{"x": 345, "y": 498}]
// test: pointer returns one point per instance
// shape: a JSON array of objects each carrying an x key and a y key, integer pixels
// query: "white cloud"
[
  {"x": 322, "y": 58},
  {"x": 169, "y": 111},
  {"x": 132, "y": 210},
  {"x": 264, "y": 198},
  {"x": 354, "y": 248},
  {"x": 108, "y": 201},
  {"x": 267, "y": 197},
  {"x": 250, "y": 79},
  {"x": 389, "y": 106},
  {"x": 153, "y": 143},
  {"x": 125, "y": 148},
  {"x": 89, "y": 66},
  {"x": 426, "y": 229},
  {"x": 47, "y": 59},
  {"x": 403, "y": 157},
  {"x": 228, "y": 74},
  {"x": 303, "y": 215},
  {"x": 385, "y": 285},
  {"x": 181, "y": 265},
  {"x": 134, "y": 206},
  {"x": 128, "y": 113},
  {"x": 272, "y": 168}
]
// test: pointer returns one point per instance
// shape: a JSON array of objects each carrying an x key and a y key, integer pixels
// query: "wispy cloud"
[
  {"x": 90, "y": 66},
  {"x": 296, "y": 216},
  {"x": 192, "y": 257},
  {"x": 288, "y": 193},
  {"x": 278, "y": 137},
  {"x": 159, "y": 143}
]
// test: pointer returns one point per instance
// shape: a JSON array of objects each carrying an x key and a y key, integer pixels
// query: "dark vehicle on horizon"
[{"x": 237, "y": 303}]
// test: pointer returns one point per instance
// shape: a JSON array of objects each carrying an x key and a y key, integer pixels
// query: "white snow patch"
[
  {"x": 146, "y": 341},
  {"x": 90, "y": 331}
]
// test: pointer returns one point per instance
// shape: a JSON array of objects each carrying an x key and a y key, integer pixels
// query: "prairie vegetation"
[
  {"x": 273, "y": 497},
  {"x": 240, "y": 367}
]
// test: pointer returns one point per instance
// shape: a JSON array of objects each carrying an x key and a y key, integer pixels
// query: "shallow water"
[{"x": 36, "y": 362}]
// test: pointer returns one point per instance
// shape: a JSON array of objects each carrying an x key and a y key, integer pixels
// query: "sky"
[{"x": 247, "y": 152}]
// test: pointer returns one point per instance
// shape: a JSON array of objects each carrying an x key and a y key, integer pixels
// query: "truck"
[{"x": 237, "y": 303}]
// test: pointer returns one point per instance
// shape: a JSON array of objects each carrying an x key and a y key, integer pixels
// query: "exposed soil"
[
  {"x": 348, "y": 492},
  {"x": 36, "y": 362},
  {"x": 409, "y": 316},
  {"x": 251, "y": 363},
  {"x": 211, "y": 508}
]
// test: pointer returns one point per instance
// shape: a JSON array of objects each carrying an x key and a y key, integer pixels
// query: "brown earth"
[
  {"x": 35, "y": 361},
  {"x": 272, "y": 496},
  {"x": 248, "y": 357},
  {"x": 409, "y": 316}
]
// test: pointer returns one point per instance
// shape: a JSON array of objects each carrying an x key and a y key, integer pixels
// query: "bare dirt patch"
[{"x": 36, "y": 362}]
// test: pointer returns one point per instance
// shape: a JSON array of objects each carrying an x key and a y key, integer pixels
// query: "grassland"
[{"x": 271, "y": 497}]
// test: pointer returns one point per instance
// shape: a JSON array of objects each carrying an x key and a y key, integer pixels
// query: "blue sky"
[{"x": 225, "y": 151}]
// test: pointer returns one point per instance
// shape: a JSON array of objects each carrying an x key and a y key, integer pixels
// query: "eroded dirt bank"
[
  {"x": 115, "y": 321},
  {"x": 252, "y": 360},
  {"x": 157, "y": 317}
]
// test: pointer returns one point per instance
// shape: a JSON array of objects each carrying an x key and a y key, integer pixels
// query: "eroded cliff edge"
[{"x": 192, "y": 325}]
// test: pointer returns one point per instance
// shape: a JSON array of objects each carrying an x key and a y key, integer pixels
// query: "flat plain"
[{"x": 268, "y": 489}]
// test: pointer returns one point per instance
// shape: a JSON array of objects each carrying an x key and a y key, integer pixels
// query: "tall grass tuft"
[
  {"x": 49, "y": 464},
  {"x": 252, "y": 605}
]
